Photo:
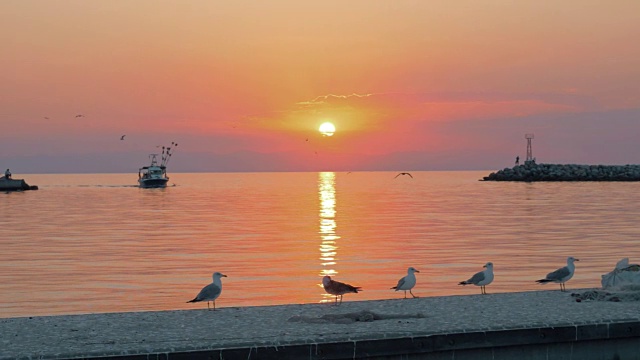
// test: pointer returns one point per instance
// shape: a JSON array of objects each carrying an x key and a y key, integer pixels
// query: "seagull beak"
[
  {"x": 577, "y": 259},
  {"x": 484, "y": 266},
  {"x": 417, "y": 271},
  {"x": 224, "y": 275}
]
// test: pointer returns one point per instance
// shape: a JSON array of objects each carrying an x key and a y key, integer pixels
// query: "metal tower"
[{"x": 529, "y": 152}]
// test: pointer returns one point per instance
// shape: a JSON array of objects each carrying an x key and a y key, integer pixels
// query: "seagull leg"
[
  {"x": 412, "y": 294},
  {"x": 405, "y": 294}
]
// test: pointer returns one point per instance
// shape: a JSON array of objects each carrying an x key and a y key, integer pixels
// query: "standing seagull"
[
  {"x": 404, "y": 173},
  {"x": 407, "y": 282},
  {"x": 481, "y": 278},
  {"x": 211, "y": 291},
  {"x": 337, "y": 288},
  {"x": 561, "y": 275}
]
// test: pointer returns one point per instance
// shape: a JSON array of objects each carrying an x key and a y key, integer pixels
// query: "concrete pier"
[{"x": 527, "y": 325}]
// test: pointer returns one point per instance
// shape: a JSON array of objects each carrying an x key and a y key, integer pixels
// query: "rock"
[
  {"x": 15, "y": 185},
  {"x": 530, "y": 171}
]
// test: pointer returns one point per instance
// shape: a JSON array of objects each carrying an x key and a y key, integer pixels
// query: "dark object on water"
[{"x": 15, "y": 185}]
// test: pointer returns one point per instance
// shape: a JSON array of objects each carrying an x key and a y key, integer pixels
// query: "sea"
[{"x": 96, "y": 243}]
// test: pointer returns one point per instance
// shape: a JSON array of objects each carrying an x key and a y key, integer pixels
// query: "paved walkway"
[{"x": 57, "y": 337}]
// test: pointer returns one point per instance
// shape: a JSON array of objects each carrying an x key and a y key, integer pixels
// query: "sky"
[{"x": 244, "y": 85}]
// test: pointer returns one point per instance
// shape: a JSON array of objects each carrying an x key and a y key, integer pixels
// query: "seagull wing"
[
  {"x": 339, "y": 288},
  {"x": 559, "y": 274},
  {"x": 400, "y": 284},
  {"x": 476, "y": 278},
  {"x": 208, "y": 293}
]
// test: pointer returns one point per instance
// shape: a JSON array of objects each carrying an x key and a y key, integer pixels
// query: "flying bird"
[
  {"x": 407, "y": 282},
  {"x": 481, "y": 278},
  {"x": 122, "y": 137},
  {"x": 561, "y": 275},
  {"x": 403, "y": 173},
  {"x": 338, "y": 288},
  {"x": 211, "y": 291},
  {"x": 79, "y": 115}
]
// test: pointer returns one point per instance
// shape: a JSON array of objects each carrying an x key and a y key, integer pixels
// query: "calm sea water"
[{"x": 97, "y": 243}]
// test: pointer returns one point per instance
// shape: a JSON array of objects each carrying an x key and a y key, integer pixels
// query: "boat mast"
[{"x": 166, "y": 153}]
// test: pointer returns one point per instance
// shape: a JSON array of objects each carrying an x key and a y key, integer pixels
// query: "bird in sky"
[
  {"x": 338, "y": 288},
  {"x": 79, "y": 115},
  {"x": 562, "y": 275},
  {"x": 407, "y": 282},
  {"x": 403, "y": 173},
  {"x": 122, "y": 137},
  {"x": 481, "y": 278},
  {"x": 211, "y": 291}
]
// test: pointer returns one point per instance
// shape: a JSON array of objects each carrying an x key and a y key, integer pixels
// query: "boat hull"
[{"x": 153, "y": 183}]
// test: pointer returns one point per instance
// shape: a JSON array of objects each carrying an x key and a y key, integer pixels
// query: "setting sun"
[{"x": 327, "y": 129}]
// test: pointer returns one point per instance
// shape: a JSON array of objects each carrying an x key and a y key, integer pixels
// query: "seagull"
[
  {"x": 481, "y": 278},
  {"x": 338, "y": 288},
  {"x": 407, "y": 282},
  {"x": 211, "y": 291},
  {"x": 561, "y": 275},
  {"x": 79, "y": 115},
  {"x": 403, "y": 173},
  {"x": 122, "y": 137}
]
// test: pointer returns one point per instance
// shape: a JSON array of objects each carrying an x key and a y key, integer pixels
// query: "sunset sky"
[{"x": 245, "y": 85}]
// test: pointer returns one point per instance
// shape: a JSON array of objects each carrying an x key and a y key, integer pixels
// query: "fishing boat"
[{"x": 155, "y": 174}]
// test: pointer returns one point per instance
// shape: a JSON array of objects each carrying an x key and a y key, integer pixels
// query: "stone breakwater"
[{"x": 566, "y": 172}]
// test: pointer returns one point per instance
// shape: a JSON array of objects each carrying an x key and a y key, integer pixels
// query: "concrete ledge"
[
  {"x": 566, "y": 342},
  {"x": 530, "y": 325}
]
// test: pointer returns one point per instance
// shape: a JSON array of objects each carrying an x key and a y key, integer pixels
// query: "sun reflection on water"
[{"x": 328, "y": 236}]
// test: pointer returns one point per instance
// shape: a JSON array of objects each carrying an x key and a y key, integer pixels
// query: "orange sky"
[{"x": 244, "y": 85}]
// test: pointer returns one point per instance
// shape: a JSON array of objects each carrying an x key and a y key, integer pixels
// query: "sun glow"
[{"x": 327, "y": 129}]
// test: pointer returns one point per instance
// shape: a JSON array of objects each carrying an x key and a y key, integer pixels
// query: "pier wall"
[{"x": 594, "y": 341}]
